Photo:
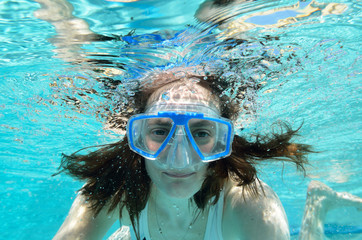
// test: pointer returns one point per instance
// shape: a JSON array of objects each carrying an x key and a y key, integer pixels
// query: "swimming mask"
[{"x": 173, "y": 133}]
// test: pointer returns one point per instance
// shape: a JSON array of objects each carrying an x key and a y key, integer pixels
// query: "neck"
[
  {"x": 174, "y": 218},
  {"x": 170, "y": 207}
]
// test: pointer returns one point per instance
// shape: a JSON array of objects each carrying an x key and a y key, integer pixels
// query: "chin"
[
  {"x": 180, "y": 192},
  {"x": 180, "y": 188},
  {"x": 177, "y": 184}
]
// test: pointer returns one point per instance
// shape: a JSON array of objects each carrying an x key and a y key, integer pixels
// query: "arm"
[
  {"x": 72, "y": 32},
  {"x": 257, "y": 218},
  {"x": 80, "y": 223}
]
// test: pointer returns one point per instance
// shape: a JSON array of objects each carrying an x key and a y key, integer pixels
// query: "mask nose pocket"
[{"x": 180, "y": 152}]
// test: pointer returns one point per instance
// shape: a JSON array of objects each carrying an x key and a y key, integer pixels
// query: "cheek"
[
  {"x": 152, "y": 145},
  {"x": 151, "y": 170},
  {"x": 206, "y": 148},
  {"x": 154, "y": 172}
]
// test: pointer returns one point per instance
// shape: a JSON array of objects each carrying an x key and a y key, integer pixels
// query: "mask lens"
[
  {"x": 209, "y": 136},
  {"x": 149, "y": 134}
]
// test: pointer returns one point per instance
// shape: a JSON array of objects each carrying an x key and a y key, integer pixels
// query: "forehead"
[{"x": 183, "y": 91}]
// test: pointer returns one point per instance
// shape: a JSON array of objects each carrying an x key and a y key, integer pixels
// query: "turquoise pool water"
[{"x": 47, "y": 108}]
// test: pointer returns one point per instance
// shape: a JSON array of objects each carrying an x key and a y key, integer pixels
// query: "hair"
[{"x": 116, "y": 176}]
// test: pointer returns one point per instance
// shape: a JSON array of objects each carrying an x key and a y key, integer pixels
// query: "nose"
[{"x": 180, "y": 153}]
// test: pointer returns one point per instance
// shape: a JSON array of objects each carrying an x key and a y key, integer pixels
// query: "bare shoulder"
[
  {"x": 249, "y": 217},
  {"x": 81, "y": 222}
]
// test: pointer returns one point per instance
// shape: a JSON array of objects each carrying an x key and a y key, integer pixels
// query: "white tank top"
[{"x": 213, "y": 227}]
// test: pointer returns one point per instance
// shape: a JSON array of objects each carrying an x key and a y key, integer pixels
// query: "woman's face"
[{"x": 185, "y": 176}]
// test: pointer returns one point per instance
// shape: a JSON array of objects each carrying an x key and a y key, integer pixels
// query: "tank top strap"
[
  {"x": 143, "y": 226},
  {"x": 214, "y": 221}
]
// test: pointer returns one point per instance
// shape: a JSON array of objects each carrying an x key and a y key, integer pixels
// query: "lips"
[{"x": 178, "y": 175}]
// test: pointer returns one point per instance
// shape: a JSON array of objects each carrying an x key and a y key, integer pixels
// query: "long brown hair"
[{"x": 116, "y": 176}]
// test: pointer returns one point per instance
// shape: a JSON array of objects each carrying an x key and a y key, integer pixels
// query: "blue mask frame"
[{"x": 181, "y": 119}]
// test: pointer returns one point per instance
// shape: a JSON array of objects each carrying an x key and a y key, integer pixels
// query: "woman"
[
  {"x": 184, "y": 188},
  {"x": 182, "y": 180},
  {"x": 176, "y": 176}
]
